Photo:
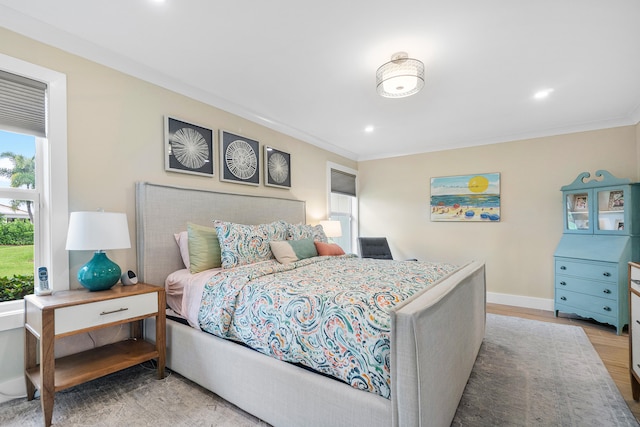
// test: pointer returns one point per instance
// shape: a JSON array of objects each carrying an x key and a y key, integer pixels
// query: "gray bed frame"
[{"x": 436, "y": 335}]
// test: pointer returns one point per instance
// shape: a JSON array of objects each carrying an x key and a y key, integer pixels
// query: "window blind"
[
  {"x": 343, "y": 183},
  {"x": 23, "y": 105}
]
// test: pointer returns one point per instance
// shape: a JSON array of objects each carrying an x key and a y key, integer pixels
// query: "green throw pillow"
[{"x": 204, "y": 248}]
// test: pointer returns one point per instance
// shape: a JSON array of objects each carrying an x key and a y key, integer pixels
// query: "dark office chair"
[{"x": 374, "y": 247}]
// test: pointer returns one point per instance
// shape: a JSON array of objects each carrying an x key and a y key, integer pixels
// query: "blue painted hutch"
[{"x": 601, "y": 235}]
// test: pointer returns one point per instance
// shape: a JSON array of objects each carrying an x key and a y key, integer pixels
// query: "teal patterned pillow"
[
  {"x": 305, "y": 231},
  {"x": 247, "y": 244}
]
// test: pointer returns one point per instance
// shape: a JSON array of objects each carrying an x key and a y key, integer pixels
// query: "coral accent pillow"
[{"x": 328, "y": 249}]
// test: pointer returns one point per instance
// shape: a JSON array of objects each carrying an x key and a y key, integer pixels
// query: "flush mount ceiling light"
[
  {"x": 400, "y": 77},
  {"x": 541, "y": 94}
]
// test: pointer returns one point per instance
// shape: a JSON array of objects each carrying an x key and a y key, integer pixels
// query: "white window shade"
[{"x": 23, "y": 105}]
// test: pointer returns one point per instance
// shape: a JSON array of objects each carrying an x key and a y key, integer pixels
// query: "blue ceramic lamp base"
[{"x": 100, "y": 273}]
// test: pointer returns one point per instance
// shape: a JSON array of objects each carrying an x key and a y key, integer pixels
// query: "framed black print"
[
  {"x": 188, "y": 148},
  {"x": 277, "y": 168},
  {"x": 239, "y": 159}
]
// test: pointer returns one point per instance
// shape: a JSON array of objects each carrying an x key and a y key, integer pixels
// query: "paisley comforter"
[{"x": 330, "y": 314}]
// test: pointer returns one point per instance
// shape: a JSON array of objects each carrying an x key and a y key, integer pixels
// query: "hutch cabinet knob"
[
  {"x": 563, "y": 298},
  {"x": 562, "y": 267},
  {"x": 606, "y": 274},
  {"x": 607, "y": 291},
  {"x": 606, "y": 308},
  {"x": 563, "y": 283}
]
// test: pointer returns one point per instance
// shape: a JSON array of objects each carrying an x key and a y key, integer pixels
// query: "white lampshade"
[
  {"x": 400, "y": 77},
  {"x": 95, "y": 231},
  {"x": 331, "y": 228}
]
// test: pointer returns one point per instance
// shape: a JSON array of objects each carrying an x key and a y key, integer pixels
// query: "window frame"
[{"x": 51, "y": 184}]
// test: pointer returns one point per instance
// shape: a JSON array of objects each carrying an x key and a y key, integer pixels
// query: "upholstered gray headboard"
[{"x": 162, "y": 211}]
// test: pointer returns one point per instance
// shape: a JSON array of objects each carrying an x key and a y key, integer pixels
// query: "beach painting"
[{"x": 466, "y": 198}]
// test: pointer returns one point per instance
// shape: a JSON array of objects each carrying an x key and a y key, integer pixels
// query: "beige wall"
[
  {"x": 394, "y": 201},
  {"x": 115, "y": 138}
]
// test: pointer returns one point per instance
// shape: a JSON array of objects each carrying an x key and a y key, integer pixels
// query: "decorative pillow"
[
  {"x": 247, "y": 244},
  {"x": 305, "y": 231},
  {"x": 204, "y": 249},
  {"x": 328, "y": 249},
  {"x": 182, "y": 239},
  {"x": 287, "y": 251}
]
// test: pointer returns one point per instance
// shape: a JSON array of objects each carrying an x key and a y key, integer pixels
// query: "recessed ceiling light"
[
  {"x": 541, "y": 94},
  {"x": 368, "y": 129}
]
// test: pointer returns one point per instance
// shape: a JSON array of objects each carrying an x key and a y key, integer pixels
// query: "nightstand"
[{"x": 78, "y": 311}]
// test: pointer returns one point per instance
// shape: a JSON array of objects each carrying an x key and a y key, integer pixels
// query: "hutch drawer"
[
  {"x": 590, "y": 287},
  {"x": 589, "y": 270},
  {"x": 601, "y": 309}
]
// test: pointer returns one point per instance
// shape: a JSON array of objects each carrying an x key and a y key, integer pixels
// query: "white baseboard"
[
  {"x": 520, "y": 301},
  {"x": 14, "y": 388}
]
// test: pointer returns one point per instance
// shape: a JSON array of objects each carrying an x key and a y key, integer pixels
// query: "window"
[
  {"x": 343, "y": 204},
  {"x": 19, "y": 217},
  {"x": 49, "y": 197}
]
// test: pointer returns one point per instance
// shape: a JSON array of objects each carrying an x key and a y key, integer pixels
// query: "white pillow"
[{"x": 182, "y": 239}]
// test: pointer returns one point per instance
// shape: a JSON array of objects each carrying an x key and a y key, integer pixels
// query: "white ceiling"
[{"x": 308, "y": 68}]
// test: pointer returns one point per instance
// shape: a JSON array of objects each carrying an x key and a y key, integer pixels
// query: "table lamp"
[
  {"x": 331, "y": 228},
  {"x": 98, "y": 231}
]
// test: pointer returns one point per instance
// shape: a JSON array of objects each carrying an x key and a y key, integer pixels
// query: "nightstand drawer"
[
  {"x": 594, "y": 271},
  {"x": 84, "y": 316},
  {"x": 635, "y": 333},
  {"x": 635, "y": 278}
]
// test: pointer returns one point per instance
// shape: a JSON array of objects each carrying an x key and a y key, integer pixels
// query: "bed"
[{"x": 435, "y": 335}]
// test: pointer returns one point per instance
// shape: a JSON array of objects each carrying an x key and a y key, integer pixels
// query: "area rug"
[
  {"x": 528, "y": 373},
  {"x": 532, "y": 373}
]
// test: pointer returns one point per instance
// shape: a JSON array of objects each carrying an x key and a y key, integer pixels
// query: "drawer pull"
[
  {"x": 636, "y": 281},
  {"x": 563, "y": 298},
  {"x": 562, "y": 267},
  {"x": 114, "y": 311},
  {"x": 606, "y": 308},
  {"x": 638, "y": 322},
  {"x": 563, "y": 283},
  {"x": 607, "y": 291},
  {"x": 606, "y": 274}
]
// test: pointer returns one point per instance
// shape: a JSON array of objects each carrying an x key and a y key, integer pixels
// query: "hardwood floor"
[{"x": 613, "y": 349}]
